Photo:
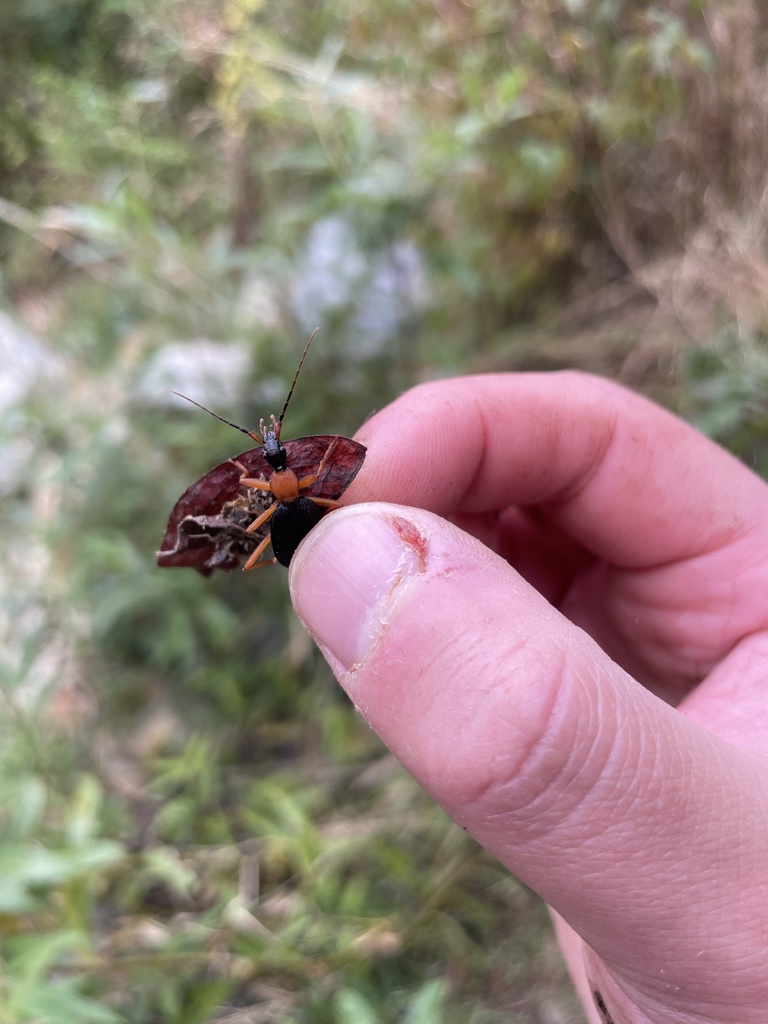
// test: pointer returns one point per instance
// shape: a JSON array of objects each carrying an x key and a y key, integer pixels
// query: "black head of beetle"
[{"x": 274, "y": 449}]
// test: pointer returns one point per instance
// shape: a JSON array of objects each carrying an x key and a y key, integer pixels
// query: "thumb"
[{"x": 617, "y": 810}]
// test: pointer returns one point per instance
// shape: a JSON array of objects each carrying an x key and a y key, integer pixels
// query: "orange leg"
[
  {"x": 258, "y": 485},
  {"x": 327, "y": 502},
  {"x": 253, "y": 561},
  {"x": 249, "y": 481},
  {"x": 265, "y": 516},
  {"x": 307, "y": 481}
]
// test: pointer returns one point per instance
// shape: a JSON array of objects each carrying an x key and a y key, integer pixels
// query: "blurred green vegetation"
[{"x": 194, "y": 826}]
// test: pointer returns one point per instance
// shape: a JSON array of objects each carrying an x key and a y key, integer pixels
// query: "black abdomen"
[{"x": 291, "y": 522}]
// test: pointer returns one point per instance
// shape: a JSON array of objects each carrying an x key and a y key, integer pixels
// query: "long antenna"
[
  {"x": 295, "y": 378},
  {"x": 250, "y": 433}
]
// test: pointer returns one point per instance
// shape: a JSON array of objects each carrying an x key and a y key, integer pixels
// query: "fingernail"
[{"x": 345, "y": 576}]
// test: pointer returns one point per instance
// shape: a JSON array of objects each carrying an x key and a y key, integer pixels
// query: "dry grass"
[{"x": 690, "y": 220}]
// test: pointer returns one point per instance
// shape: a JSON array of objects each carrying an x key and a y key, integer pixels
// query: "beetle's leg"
[
  {"x": 258, "y": 485},
  {"x": 250, "y": 481},
  {"x": 327, "y": 502},
  {"x": 263, "y": 518},
  {"x": 253, "y": 561},
  {"x": 307, "y": 481}
]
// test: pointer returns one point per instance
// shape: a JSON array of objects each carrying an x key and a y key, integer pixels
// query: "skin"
[{"x": 552, "y": 606}]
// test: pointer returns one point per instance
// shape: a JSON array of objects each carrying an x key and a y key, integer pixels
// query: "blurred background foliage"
[{"x": 194, "y": 826}]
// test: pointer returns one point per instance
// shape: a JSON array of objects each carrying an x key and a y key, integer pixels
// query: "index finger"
[{"x": 629, "y": 481}]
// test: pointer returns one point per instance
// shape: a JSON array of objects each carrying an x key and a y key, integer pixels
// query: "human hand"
[{"x": 587, "y": 563}]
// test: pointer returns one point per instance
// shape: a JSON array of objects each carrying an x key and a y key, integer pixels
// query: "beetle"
[{"x": 274, "y": 493}]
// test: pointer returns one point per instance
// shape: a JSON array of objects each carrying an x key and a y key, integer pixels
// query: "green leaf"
[
  {"x": 428, "y": 1005},
  {"x": 353, "y": 1008}
]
